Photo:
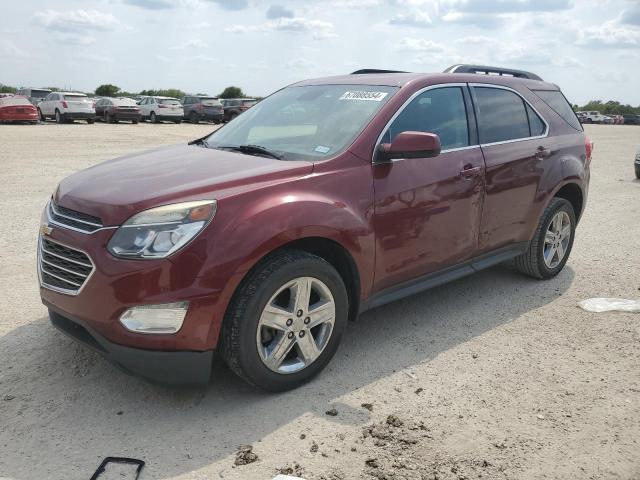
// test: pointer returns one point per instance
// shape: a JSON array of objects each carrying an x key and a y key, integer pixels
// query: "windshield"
[
  {"x": 307, "y": 122},
  {"x": 211, "y": 102},
  {"x": 76, "y": 98},
  {"x": 40, "y": 93}
]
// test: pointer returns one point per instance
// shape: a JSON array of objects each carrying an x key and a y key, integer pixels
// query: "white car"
[
  {"x": 595, "y": 117},
  {"x": 67, "y": 106},
  {"x": 158, "y": 109}
]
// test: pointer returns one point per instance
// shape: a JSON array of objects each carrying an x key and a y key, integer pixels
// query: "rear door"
[
  {"x": 516, "y": 149},
  {"x": 427, "y": 210}
]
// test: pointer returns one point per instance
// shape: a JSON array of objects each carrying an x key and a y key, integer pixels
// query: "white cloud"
[
  {"x": 205, "y": 58},
  {"x": 71, "y": 38},
  {"x": 75, "y": 20},
  {"x": 152, "y": 4},
  {"x": 507, "y": 6},
  {"x": 417, "y": 19},
  {"x": 162, "y": 58},
  {"x": 631, "y": 15},
  {"x": 610, "y": 34},
  {"x": 189, "y": 44},
  {"x": 232, "y": 4},
  {"x": 9, "y": 50},
  {"x": 299, "y": 63},
  {"x": 420, "y": 45},
  {"x": 476, "y": 19},
  {"x": 318, "y": 28}
]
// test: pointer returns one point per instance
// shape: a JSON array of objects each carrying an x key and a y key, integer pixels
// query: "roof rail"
[
  {"x": 374, "y": 70},
  {"x": 486, "y": 70}
]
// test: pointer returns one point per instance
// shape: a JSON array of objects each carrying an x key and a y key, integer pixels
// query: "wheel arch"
[{"x": 572, "y": 192}]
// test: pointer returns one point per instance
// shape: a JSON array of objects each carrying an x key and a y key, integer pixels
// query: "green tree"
[
  {"x": 7, "y": 89},
  {"x": 232, "y": 92},
  {"x": 169, "y": 92},
  {"x": 107, "y": 90}
]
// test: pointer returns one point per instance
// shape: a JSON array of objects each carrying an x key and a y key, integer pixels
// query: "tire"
[
  {"x": 232, "y": 116},
  {"x": 242, "y": 329},
  {"x": 177, "y": 121},
  {"x": 90, "y": 121},
  {"x": 42, "y": 117},
  {"x": 637, "y": 167},
  {"x": 193, "y": 118},
  {"x": 107, "y": 118},
  {"x": 135, "y": 122},
  {"x": 153, "y": 117},
  {"x": 59, "y": 117},
  {"x": 532, "y": 262}
]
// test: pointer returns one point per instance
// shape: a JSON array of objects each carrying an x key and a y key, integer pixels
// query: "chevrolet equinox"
[{"x": 329, "y": 197}]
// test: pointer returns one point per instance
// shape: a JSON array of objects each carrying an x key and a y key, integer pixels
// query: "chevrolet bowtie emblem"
[{"x": 45, "y": 229}]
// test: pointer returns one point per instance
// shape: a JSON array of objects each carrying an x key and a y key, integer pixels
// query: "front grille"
[
  {"x": 72, "y": 219},
  {"x": 62, "y": 268}
]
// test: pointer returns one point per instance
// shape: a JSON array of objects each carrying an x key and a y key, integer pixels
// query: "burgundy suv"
[{"x": 328, "y": 198}]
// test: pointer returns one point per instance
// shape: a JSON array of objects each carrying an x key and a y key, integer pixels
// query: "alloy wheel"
[
  {"x": 295, "y": 325},
  {"x": 556, "y": 239}
]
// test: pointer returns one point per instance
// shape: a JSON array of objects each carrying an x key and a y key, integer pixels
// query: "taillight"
[
  {"x": 64, "y": 104},
  {"x": 588, "y": 146}
]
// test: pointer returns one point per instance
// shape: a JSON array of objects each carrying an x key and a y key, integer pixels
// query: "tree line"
[{"x": 109, "y": 90}]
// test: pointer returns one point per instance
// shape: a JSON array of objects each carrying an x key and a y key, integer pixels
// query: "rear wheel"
[
  {"x": 42, "y": 117},
  {"x": 193, "y": 118},
  {"x": 285, "y": 322},
  {"x": 90, "y": 121},
  {"x": 107, "y": 117},
  {"x": 177, "y": 121},
  {"x": 549, "y": 250},
  {"x": 59, "y": 117},
  {"x": 134, "y": 122},
  {"x": 153, "y": 117}
]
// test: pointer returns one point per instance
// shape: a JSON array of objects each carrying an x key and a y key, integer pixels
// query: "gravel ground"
[{"x": 493, "y": 376}]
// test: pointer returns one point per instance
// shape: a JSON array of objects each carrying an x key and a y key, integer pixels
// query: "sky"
[{"x": 590, "y": 48}]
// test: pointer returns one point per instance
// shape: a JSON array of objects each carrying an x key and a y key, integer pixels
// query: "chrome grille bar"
[{"x": 61, "y": 268}]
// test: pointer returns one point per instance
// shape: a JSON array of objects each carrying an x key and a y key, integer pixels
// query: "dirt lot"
[{"x": 493, "y": 376}]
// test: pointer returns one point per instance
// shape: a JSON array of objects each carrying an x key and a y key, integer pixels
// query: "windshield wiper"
[{"x": 251, "y": 149}]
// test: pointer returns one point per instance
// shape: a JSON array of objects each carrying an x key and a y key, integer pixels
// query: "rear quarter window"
[{"x": 559, "y": 104}]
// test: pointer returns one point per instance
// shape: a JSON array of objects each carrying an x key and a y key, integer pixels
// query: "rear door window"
[
  {"x": 559, "y": 104},
  {"x": 536, "y": 125},
  {"x": 440, "y": 111},
  {"x": 501, "y": 115}
]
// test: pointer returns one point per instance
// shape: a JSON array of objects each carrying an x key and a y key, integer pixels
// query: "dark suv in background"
[
  {"x": 330, "y": 197},
  {"x": 235, "y": 106},
  {"x": 198, "y": 108}
]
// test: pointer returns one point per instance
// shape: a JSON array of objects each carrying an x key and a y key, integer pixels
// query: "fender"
[{"x": 249, "y": 226}]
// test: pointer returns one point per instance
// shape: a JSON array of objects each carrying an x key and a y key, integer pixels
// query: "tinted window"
[
  {"x": 440, "y": 111},
  {"x": 169, "y": 101},
  {"x": 536, "y": 125},
  {"x": 555, "y": 99},
  {"x": 501, "y": 115}
]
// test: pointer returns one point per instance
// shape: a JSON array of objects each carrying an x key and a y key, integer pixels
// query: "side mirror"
[{"x": 410, "y": 145}]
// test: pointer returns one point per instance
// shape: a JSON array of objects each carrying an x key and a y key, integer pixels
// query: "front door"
[{"x": 427, "y": 210}]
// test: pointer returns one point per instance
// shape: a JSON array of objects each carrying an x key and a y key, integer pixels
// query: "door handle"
[
  {"x": 468, "y": 173},
  {"x": 542, "y": 153}
]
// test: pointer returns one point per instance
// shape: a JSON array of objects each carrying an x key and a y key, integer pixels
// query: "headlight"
[{"x": 161, "y": 231}]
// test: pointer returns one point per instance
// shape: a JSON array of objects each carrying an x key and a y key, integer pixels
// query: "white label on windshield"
[
  {"x": 322, "y": 149},
  {"x": 363, "y": 95}
]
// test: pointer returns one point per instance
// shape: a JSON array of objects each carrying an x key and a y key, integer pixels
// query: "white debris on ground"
[{"x": 609, "y": 304}]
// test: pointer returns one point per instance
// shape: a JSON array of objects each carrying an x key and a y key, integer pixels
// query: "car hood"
[{"x": 116, "y": 189}]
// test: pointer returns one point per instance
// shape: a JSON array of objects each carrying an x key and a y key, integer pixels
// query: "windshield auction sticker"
[{"x": 363, "y": 95}]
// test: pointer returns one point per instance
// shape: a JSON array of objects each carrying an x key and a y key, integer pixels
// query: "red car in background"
[{"x": 17, "y": 109}]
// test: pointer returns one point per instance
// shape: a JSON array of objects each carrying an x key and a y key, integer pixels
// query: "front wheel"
[
  {"x": 285, "y": 322},
  {"x": 549, "y": 250},
  {"x": 42, "y": 117},
  {"x": 59, "y": 117},
  {"x": 153, "y": 117},
  {"x": 193, "y": 118}
]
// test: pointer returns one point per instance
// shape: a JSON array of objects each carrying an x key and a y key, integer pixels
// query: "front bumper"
[{"x": 179, "y": 368}]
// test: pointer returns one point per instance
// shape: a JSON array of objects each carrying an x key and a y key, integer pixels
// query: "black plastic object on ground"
[{"x": 122, "y": 460}]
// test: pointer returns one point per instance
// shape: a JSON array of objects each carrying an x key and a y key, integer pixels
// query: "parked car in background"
[
  {"x": 35, "y": 95},
  {"x": 260, "y": 241},
  {"x": 197, "y": 108},
  {"x": 157, "y": 109},
  {"x": 617, "y": 119},
  {"x": 66, "y": 107},
  {"x": 608, "y": 120},
  {"x": 17, "y": 108},
  {"x": 235, "y": 106},
  {"x": 112, "y": 110},
  {"x": 630, "y": 119},
  {"x": 594, "y": 117},
  {"x": 581, "y": 116}
]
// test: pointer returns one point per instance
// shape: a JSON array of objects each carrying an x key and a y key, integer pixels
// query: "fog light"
[{"x": 161, "y": 318}]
